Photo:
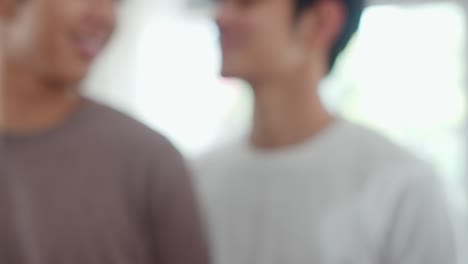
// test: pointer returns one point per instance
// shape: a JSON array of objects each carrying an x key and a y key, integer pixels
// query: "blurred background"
[{"x": 404, "y": 74}]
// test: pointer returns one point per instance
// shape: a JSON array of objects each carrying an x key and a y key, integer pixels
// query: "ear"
[
  {"x": 324, "y": 23},
  {"x": 7, "y": 9}
]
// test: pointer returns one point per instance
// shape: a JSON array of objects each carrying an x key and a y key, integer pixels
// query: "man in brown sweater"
[{"x": 79, "y": 182}]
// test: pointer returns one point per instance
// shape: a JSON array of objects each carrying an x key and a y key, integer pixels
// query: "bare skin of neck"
[
  {"x": 288, "y": 111},
  {"x": 29, "y": 104}
]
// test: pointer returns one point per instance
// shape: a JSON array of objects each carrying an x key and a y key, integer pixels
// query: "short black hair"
[{"x": 354, "y": 9}]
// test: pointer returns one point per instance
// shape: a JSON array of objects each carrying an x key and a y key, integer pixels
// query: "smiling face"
[
  {"x": 59, "y": 39},
  {"x": 257, "y": 37},
  {"x": 262, "y": 39}
]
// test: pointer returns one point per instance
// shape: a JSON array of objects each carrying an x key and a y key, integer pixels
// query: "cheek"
[
  {"x": 280, "y": 55},
  {"x": 268, "y": 44},
  {"x": 27, "y": 45},
  {"x": 59, "y": 51},
  {"x": 56, "y": 57},
  {"x": 49, "y": 48},
  {"x": 266, "y": 34}
]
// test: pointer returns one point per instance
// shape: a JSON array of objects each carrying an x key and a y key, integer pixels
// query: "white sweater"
[{"x": 346, "y": 196}]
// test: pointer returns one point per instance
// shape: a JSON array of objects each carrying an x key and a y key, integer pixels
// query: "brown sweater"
[{"x": 99, "y": 189}]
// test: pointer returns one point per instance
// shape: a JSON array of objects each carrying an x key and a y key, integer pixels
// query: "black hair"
[{"x": 354, "y": 10}]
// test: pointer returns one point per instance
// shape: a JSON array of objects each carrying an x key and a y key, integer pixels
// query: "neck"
[
  {"x": 28, "y": 103},
  {"x": 288, "y": 112}
]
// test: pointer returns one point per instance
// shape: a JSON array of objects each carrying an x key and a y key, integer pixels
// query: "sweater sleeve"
[
  {"x": 179, "y": 234},
  {"x": 421, "y": 230}
]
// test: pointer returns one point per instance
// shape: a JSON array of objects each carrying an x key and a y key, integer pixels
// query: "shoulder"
[
  {"x": 375, "y": 150},
  {"x": 370, "y": 142},
  {"x": 380, "y": 167},
  {"x": 395, "y": 191},
  {"x": 120, "y": 126},
  {"x": 119, "y": 132},
  {"x": 393, "y": 176}
]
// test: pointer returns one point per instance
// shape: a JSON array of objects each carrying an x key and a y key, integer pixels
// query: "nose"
[
  {"x": 223, "y": 15},
  {"x": 102, "y": 15}
]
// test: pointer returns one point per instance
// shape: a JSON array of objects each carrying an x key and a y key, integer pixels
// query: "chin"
[
  {"x": 70, "y": 71},
  {"x": 230, "y": 71},
  {"x": 227, "y": 74},
  {"x": 77, "y": 76},
  {"x": 72, "y": 77}
]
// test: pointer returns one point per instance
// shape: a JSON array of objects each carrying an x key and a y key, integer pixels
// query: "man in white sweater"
[{"x": 306, "y": 186}]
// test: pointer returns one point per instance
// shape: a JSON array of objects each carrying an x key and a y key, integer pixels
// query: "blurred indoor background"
[{"x": 404, "y": 74}]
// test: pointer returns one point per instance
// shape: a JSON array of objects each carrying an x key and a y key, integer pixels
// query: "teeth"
[{"x": 89, "y": 45}]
